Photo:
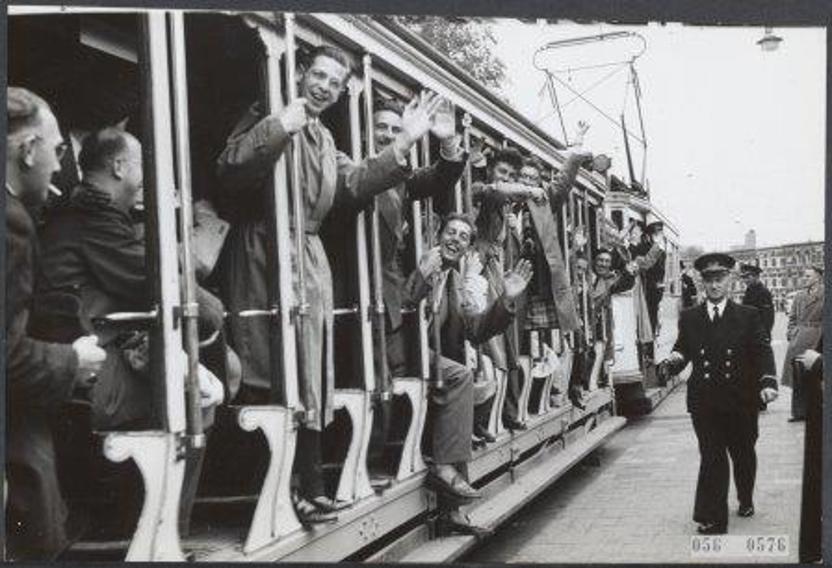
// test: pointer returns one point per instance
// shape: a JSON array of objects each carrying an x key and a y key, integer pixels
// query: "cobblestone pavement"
[{"x": 635, "y": 505}]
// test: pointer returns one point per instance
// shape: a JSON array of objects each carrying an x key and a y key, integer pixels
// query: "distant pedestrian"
[
  {"x": 757, "y": 295},
  {"x": 689, "y": 291},
  {"x": 733, "y": 372},
  {"x": 804, "y": 330}
]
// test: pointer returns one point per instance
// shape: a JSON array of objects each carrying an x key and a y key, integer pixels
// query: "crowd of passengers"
[{"x": 491, "y": 277}]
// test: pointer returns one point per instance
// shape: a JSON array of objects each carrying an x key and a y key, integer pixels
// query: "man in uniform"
[
  {"x": 733, "y": 372},
  {"x": 40, "y": 375},
  {"x": 757, "y": 295}
]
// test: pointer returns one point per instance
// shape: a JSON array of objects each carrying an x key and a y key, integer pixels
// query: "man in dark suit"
[
  {"x": 40, "y": 375},
  {"x": 757, "y": 295},
  {"x": 437, "y": 181},
  {"x": 733, "y": 373},
  {"x": 460, "y": 309}
]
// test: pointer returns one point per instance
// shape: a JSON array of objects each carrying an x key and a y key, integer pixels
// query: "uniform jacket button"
[
  {"x": 701, "y": 351},
  {"x": 707, "y": 375},
  {"x": 728, "y": 351},
  {"x": 727, "y": 363},
  {"x": 727, "y": 375},
  {"x": 707, "y": 363}
]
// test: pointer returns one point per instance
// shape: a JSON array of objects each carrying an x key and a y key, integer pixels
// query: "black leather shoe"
[
  {"x": 482, "y": 432},
  {"x": 514, "y": 425},
  {"x": 711, "y": 528},
  {"x": 310, "y": 515},
  {"x": 461, "y": 524},
  {"x": 476, "y": 442},
  {"x": 458, "y": 489},
  {"x": 746, "y": 511}
]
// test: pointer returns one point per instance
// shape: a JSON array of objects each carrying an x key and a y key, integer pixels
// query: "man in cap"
[
  {"x": 733, "y": 372},
  {"x": 757, "y": 295}
]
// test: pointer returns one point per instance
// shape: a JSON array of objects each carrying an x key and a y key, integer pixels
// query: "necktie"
[{"x": 716, "y": 315}]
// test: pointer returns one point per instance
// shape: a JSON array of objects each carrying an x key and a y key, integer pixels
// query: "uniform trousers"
[{"x": 721, "y": 434}]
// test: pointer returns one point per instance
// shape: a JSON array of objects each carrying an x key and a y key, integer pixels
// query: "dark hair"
[
  {"x": 508, "y": 155},
  {"x": 390, "y": 105},
  {"x": 464, "y": 217},
  {"x": 533, "y": 162},
  {"x": 603, "y": 250},
  {"x": 332, "y": 52},
  {"x": 23, "y": 109},
  {"x": 100, "y": 147},
  {"x": 579, "y": 255}
]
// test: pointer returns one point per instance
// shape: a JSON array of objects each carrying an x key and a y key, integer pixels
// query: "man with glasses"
[
  {"x": 40, "y": 375},
  {"x": 733, "y": 372},
  {"x": 328, "y": 179}
]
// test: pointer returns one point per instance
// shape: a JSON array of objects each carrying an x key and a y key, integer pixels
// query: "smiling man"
[
  {"x": 328, "y": 178},
  {"x": 733, "y": 374},
  {"x": 459, "y": 312}
]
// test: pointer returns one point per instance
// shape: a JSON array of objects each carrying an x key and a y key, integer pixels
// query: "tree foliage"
[{"x": 467, "y": 42}]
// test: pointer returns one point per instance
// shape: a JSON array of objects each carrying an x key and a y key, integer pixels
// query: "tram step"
[{"x": 501, "y": 506}]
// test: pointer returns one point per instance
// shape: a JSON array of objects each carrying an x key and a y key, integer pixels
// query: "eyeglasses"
[{"x": 60, "y": 149}]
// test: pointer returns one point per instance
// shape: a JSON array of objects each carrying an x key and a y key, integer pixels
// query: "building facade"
[{"x": 783, "y": 266}]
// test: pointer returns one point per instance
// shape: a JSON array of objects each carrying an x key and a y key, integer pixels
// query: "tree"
[{"x": 467, "y": 42}]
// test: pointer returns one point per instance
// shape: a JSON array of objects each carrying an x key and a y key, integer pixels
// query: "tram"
[
  {"x": 634, "y": 371},
  {"x": 177, "y": 80}
]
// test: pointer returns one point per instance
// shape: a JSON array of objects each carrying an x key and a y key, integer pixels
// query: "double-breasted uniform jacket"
[
  {"x": 804, "y": 328},
  {"x": 456, "y": 319},
  {"x": 329, "y": 178},
  {"x": 732, "y": 359},
  {"x": 437, "y": 181},
  {"x": 758, "y": 296},
  {"x": 39, "y": 376}
]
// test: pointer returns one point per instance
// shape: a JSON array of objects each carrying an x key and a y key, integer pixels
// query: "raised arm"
[
  {"x": 251, "y": 152},
  {"x": 564, "y": 180}
]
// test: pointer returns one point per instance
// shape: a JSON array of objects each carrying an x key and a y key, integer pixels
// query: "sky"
[{"x": 735, "y": 135}]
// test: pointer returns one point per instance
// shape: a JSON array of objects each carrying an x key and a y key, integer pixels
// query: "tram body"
[
  {"x": 182, "y": 85},
  {"x": 634, "y": 369}
]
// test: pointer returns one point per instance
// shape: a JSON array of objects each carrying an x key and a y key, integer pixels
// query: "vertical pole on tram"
[
  {"x": 436, "y": 335},
  {"x": 190, "y": 308},
  {"x": 302, "y": 307},
  {"x": 383, "y": 381}
]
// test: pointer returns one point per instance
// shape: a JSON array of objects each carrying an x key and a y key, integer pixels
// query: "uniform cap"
[{"x": 714, "y": 263}]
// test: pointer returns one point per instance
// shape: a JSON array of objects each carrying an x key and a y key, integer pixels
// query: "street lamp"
[{"x": 769, "y": 42}]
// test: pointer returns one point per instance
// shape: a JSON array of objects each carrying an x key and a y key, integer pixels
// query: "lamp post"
[{"x": 769, "y": 41}]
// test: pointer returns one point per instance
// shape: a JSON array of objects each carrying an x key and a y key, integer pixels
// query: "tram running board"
[{"x": 495, "y": 510}]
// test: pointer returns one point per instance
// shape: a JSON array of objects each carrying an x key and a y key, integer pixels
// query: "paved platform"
[{"x": 635, "y": 505}]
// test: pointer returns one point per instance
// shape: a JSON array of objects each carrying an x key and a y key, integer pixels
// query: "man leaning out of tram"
[
  {"x": 94, "y": 263},
  {"x": 462, "y": 314},
  {"x": 329, "y": 178},
  {"x": 550, "y": 303},
  {"x": 436, "y": 180},
  {"x": 493, "y": 200},
  {"x": 608, "y": 281},
  {"x": 40, "y": 375}
]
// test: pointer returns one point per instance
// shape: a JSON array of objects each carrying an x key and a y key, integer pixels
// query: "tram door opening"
[{"x": 225, "y": 77}]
